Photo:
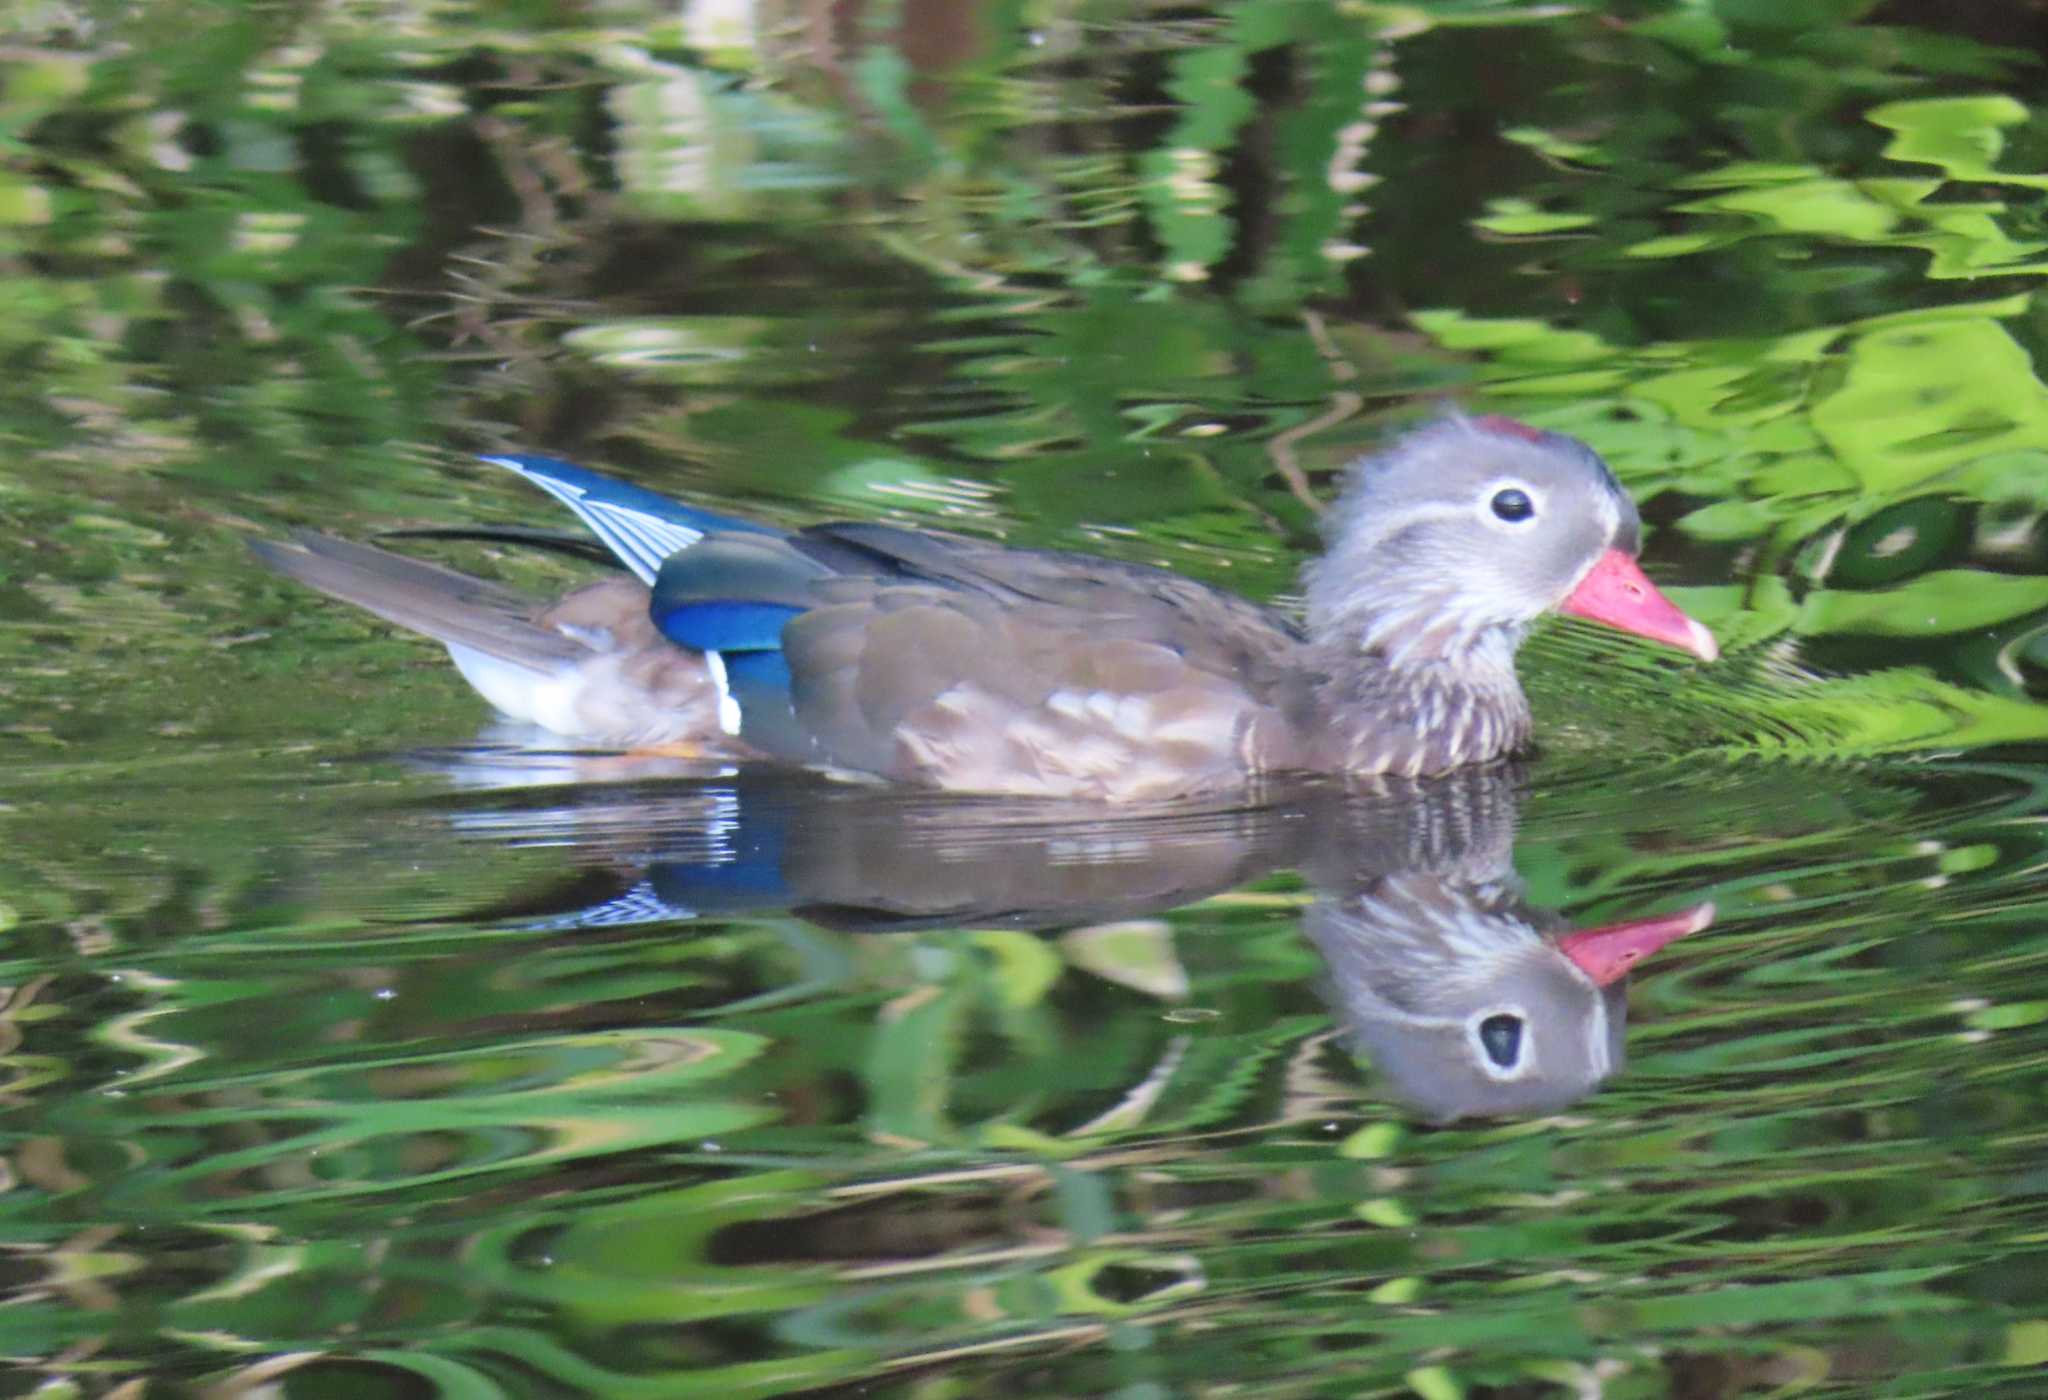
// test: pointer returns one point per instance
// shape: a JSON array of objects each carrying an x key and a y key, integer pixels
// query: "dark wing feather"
[
  {"x": 891, "y": 552},
  {"x": 553, "y": 541},
  {"x": 1174, "y": 610}
]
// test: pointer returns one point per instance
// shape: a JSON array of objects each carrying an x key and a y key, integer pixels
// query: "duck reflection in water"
[
  {"x": 1455, "y": 995},
  {"x": 1461, "y": 997}
]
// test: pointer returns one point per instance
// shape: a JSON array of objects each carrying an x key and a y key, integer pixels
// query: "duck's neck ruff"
[
  {"x": 1426, "y": 630},
  {"x": 1422, "y": 689}
]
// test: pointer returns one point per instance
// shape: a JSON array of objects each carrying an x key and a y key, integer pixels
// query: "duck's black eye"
[
  {"x": 1501, "y": 1037},
  {"x": 1512, "y": 505}
]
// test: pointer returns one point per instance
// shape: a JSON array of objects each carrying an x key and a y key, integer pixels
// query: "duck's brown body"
[{"x": 968, "y": 666}]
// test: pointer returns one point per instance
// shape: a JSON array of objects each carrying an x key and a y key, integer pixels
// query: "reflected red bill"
[{"x": 1605, "y": 954}]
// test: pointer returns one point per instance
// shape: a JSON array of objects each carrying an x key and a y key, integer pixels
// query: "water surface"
[{"x": 351, "y": 1050}]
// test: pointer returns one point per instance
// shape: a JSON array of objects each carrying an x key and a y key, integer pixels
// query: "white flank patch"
[
  {"x": 547, "y": 699},
  {"x": 728, "y": 708}
]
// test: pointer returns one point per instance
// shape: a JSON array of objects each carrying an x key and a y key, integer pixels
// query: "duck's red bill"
[
  {"x": 1616, "y": 593},
  {"x": 1606, "y": 954}
]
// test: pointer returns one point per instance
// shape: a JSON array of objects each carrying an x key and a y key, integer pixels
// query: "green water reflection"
[{"x": 342, "y": 1057}]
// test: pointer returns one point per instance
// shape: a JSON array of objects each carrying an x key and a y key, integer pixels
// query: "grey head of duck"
[
  {"x": 1442, "y": 552},
  {"x": 1447, "y": 546}
]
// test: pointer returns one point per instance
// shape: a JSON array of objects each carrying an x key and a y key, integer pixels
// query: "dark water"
[{"x": 347, "y": 1053}]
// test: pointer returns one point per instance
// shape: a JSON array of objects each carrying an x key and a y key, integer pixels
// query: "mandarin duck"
[{"x": 970, "y": 666}]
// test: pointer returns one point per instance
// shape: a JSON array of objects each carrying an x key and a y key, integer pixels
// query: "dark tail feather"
[
  {"x": 450, "y": 607},
  {"x": 553, "y": 541}
]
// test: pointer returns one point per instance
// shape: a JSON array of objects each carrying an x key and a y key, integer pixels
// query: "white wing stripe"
[
  {"x": 622, "y": 534},
  {"x": 648, "y": 538},
  {"x": 641, "y": 540},
  {"x": 619, "y": 540}
]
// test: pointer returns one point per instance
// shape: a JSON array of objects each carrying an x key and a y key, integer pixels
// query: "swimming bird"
[{"x": 966, "y": 665}]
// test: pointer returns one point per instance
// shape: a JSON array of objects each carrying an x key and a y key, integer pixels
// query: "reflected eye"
[
  {"x": 1501, "y": 1038},
  {"x": 1512, "y": 505}
]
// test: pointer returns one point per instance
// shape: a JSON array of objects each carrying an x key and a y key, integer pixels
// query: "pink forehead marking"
[{"x": 1509, "y": 427}]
